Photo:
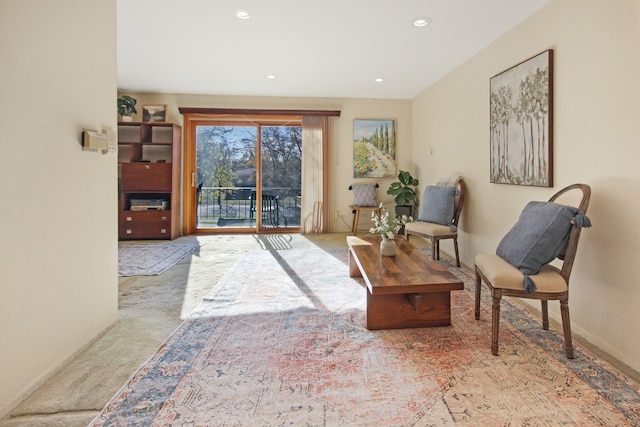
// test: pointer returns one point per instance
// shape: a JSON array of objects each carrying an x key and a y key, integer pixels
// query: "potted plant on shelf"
[
  {"x": 404, "y": 194},
  {"x": 127, "y": 107}
]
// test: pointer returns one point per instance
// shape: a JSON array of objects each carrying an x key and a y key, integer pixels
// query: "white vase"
[
  {"x": 127, "y": 118},
  {"x": 387, "y": 247}
]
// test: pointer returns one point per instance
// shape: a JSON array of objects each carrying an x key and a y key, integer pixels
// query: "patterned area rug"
[
  {"x": 148, "y": 259},
  {"x": 281, "y": 341}
]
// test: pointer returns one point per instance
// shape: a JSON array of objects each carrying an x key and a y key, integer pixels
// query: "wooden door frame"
[
  {"x": 191, "y": 121},
  {"x": 189, "y": 225}
]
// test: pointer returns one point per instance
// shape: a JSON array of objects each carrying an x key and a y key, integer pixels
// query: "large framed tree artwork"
[
  {"x": 374, "y": 148},
  {"x": 521, "y": 123}
]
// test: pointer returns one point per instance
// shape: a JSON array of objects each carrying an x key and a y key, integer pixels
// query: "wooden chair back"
[
  {"x": 577, "y": 195},
  {"x": 459, "y": 202}
]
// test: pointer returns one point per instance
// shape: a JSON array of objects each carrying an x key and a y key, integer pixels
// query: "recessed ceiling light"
[
  {"x": 271, "y": 77},
  {"x": 422, "y": 22},
  {"x": 379, "y": 80},
  {"x": 241, "y": 13}
]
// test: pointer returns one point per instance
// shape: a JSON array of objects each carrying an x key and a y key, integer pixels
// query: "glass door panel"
[
  {"x": 225, "y": 176},
  {"x": 281, "y": 173}
]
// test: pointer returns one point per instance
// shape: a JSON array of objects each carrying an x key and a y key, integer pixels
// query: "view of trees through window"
[
  {"x": 226, "y": 156},
  {"x": 227, "y": 178}
]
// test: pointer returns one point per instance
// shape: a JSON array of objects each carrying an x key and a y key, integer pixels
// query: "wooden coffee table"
[{"x": 408, "y": 290}]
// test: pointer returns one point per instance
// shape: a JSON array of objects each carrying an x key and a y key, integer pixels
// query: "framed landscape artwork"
[
  {"x": 374, "y": 148},
  {"x": 521, "y": 123},
  {"x": 154, "y": 113}
]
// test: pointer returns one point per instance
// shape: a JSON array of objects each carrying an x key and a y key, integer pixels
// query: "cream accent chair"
[
  {"x": 436, "y": 232},
  {"x": 550, "y": 283}
]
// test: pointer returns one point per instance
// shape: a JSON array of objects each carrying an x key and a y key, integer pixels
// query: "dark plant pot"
[{"x": 404, "y": 210}]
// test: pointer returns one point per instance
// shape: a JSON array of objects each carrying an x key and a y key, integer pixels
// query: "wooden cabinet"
[
  {"x": 149, "y": 160},
  {"x": 148, "y": 224},
  {"x": 144, "y": 176}
]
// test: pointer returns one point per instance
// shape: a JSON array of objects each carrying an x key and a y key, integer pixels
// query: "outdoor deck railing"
[{"x": 236, "y": 207}]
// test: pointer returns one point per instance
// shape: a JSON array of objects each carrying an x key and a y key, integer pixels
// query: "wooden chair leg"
[
  {"x": 455, "y": 246},
  {"x": 478, "y": 291},
  {"x": 566, "y": 326},
  {"x": 353, "y": 223},
  {"x": 545, "y": 314},
  {"x": 356, "y": 219},
  {"x": 434, "y": 243},
  {"x": 495, "y": 320},
  {"x": 438, "y": 249}
]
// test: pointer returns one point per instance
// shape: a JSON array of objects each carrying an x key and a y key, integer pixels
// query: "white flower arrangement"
[{"x": 385, "y": 227}]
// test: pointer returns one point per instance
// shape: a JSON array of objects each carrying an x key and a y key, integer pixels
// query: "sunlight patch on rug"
[
  {"x": 147, "y": 259},
  {"x": 282, "y": 341}
]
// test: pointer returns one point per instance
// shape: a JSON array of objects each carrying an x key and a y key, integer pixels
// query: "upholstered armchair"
[
  {"x": 439, "y": 214},
  {"x": 521, "y": 266}
]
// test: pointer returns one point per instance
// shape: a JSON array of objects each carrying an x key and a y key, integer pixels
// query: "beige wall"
[
  {"x": 58, "y": 266},
  {"x": 597, "y": 126},
  {"x": 341, "y": 149}
]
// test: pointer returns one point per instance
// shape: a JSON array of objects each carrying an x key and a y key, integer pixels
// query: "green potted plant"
[
  {"x": 402, "y": 189},
  {"x": 404, "y": 194},
  {"x": 126, "y": 107}
]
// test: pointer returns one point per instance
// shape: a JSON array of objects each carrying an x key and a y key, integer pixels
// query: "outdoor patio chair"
[{"x": 270, "y": 209}]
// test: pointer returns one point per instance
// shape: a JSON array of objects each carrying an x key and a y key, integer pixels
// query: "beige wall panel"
[
  {"x": 58, "y": 267},
  {"x": 597, "y": 64}
]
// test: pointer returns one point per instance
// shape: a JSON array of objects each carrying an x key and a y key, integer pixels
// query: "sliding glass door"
[
  {"x": 247, "y": 175},
  {"x": 281, "y": 172}
]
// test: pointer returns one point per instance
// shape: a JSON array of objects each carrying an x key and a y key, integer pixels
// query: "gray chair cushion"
[
  {"x": 438, "y": 205},
  {"x": 364, "y": 195},
  {"x": 537, "y": 238}
]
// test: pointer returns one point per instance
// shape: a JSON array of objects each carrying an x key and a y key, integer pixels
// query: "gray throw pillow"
[
  {"x": 364, "y": 194},
  {"x": 537, "y": 238},
  {"x": 438, "y": 205}
]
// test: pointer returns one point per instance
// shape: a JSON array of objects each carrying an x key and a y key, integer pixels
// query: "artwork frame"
[
  {"x": 154, "y": 113},
  {"x": 375, "y": 143},
  {"x": 521, "y": 126}
]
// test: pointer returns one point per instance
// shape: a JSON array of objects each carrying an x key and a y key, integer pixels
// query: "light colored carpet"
[
  {"x": 143, "y": 259},
  {"x": 151, "y": 308},
  {"x": 281, "y": 341}
]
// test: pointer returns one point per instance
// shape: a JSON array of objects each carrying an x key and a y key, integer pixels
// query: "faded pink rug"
[{"x": 281, "y": 341}]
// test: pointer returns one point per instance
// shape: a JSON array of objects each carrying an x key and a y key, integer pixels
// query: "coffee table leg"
[
  {"x": 408, "y": 310},
  {"x": 354, "y": 270}
]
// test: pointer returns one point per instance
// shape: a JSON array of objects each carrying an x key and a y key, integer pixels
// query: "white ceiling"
[{"x": 316, "y": 48}]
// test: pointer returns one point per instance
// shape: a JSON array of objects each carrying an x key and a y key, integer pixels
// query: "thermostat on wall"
[{"x": 94, "y": 141}]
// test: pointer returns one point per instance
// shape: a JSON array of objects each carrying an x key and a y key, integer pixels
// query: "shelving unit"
[{"x": 149, "y": 175}]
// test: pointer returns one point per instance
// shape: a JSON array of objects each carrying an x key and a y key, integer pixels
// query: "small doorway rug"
[
  {"x": 148, "y": 259},
  {"x": 281, "y": 340}
]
